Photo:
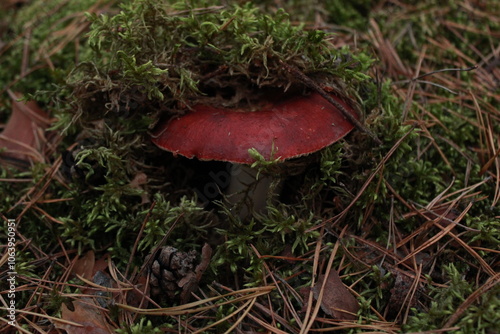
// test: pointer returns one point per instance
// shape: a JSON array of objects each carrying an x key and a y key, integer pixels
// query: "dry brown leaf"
[
  {"x": 87, "y": 314},
  {"x": 87, "y": 266},
  {"x": 190, "y": 283},
  {"x": 23, "y": 135},
  {"x": 337, "y": 301},
  {"x": 84, "y": 266},
  {"x": 101, "y": 264}
]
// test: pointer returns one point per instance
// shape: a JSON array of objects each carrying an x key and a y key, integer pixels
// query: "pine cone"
[{"x": 174, "y": 275}]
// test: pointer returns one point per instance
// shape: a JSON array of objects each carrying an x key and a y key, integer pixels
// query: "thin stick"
[
  {"x": 467, "y": 69},
  {"x": 446, "y": 70},
  {"x": 313, "y": 85}
]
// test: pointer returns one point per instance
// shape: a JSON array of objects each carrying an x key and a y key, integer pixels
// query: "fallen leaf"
[
  {"x": 23, "y": 135},
  {"x": 190, "y": 283},
  {"x": 401, "y": 295},
  {"x": 87, "y": 315},
  {"x": 337, "y": 301},
  {"x": 206, "y": 255},
  {"x": 84, "y": 266},
  {"x": 87, "y": 265}
]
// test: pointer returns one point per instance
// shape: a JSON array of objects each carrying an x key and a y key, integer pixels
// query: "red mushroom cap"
[{"x": 293, "y": 127}]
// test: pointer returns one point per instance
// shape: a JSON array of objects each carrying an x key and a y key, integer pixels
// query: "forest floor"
[{"x": 103, "y": 232}]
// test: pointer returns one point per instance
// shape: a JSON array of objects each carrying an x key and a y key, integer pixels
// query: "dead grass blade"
[
  {"x": 271, "y": 329},
  {"x": 247, "y": 306},
  {"x": 317, "y": 251},
  {"x": 377, "y": 170},
  {"x": 488, "y": 137},
  {"x": 195, "y": 307},
  {"x": 287, "y": 304},
  {"x": 411, "y": 89},
  {"x": 373, "y": 327},
  {"x": 445, "y": 231},
  {"x": 311, "y": 316},
  {"x": 486, "y": 267},
  {"x": 54, "y": 319},
  {"x": 435, "y": 331},
  {"x": 387, "y": 52}
]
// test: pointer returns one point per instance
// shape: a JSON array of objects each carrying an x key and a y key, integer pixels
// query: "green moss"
[
  {"x": 351, "y": 14},
  {"x": 479, "y": 317},
  {"x": 142, "y": 326},
  {"x": 154, "y": 59},
  {"x": 186, "y": 215},
  {"x": 181, "y": 54},
  {"x": 43, "y": 37},
  {"x": 151, "y": 60}
]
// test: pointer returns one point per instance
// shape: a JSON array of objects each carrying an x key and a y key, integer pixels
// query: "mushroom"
[{"x": 282, "y": 129}]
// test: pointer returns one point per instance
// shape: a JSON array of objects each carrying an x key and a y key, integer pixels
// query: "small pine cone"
[{"x": 173, "y": 274}]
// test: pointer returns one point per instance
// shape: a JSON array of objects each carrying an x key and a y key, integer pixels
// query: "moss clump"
[
  {"x": 180, "y": 54},
  {"x": 44, "y": 44},
  {"x": 480, "y": 317},
  {"x": 155, "y": 59}
]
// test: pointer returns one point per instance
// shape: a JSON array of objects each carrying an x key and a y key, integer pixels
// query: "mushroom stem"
[{"x": 246, "y": 192}]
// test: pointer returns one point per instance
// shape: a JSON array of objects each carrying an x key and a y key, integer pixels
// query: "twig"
[
  {"x": 446, "y": 70},
  {"x": 467, "y": 69},
  {"x": 313, "y": 85}
]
